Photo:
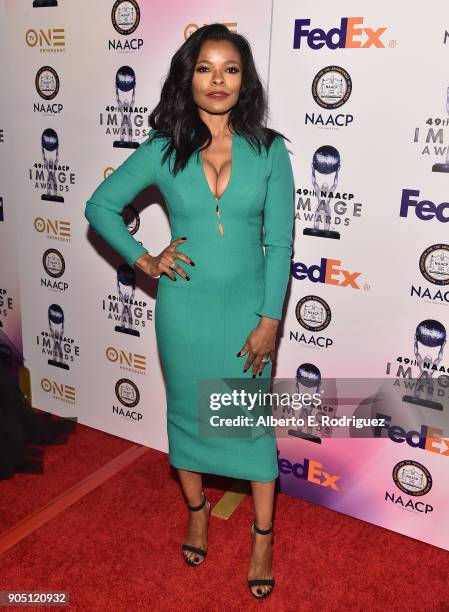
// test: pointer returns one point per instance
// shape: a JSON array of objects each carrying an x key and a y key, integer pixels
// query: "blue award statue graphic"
[
  {"x": 50, "y": 155},
  {"x": 326, "y": 160},
  {"x": 56, "y": 325},
  {"x": 125, "y": 91},
  {"x": 126, "y": 286},
  {"x": 431, "y": 334}
]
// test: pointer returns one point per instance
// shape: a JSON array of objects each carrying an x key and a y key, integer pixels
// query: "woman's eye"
[{"x": 233, "y": 68}]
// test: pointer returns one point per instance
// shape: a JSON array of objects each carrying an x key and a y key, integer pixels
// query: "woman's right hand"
[{"x": 154, "y": 266}]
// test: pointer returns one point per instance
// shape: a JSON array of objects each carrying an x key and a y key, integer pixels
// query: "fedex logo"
[
  {"x": 425, "y": 210},
  {"x": 328, "y": 272},
  {"x": 350, "y": 35},
  {"x": 311, "y": 471}
]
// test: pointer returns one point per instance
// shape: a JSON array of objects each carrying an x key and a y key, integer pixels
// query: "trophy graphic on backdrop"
[
  {"x": 326, "y": 160},
  {"x": 125, "y": 91},
  {"x": 41, "y": 3},
  {"x": 431, "y": 334},
  {"x": 50, "y": 154},
  {"x": 308, "y": 377},
  {"x": 444, "y": 167},
  {"x": 126, "y": 286},
  {"x": 56, "y": 325}
]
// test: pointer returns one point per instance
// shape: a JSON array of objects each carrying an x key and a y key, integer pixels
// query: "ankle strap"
[
  {"x": 263, "y": 531},
  {"x": 201, "y": 505}
]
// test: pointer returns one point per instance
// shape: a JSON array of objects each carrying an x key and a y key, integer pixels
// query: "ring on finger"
[{"x": 265, "y": 359}]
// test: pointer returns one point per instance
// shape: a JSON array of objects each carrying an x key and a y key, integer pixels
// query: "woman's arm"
[
  {"x": 104, "y": 206},
  {"x": 278, "y": 231}
]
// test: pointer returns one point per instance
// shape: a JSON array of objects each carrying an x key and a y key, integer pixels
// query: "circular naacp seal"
[
  {"x": 313, "y": 313},
  {"x": 127, "y": 392},
  {"x": 47, "y": 82},
  {"x": 125, "y": 16},
  {"x": 412, "y": 478},
  {"x": 53, "y": 262},
  {"x": 434, "y": 264},
  {"x": 331, "y": 87}
]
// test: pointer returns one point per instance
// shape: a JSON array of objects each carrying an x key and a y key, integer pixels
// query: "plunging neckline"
[{"x": 203, "y": 172}]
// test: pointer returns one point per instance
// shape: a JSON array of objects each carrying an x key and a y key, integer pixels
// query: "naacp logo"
[
  {"x": 412, "y": 478},
  {"x": 434, "y": 264},
  {"x": 127, "y": 392},
  {"x": 313, "y": 313},
  {"x": 331, "y": 87},
  {"x": 125, "y": 16},
  {"x": 53, "y": 262},
  {"x": 47, "y": 83}
]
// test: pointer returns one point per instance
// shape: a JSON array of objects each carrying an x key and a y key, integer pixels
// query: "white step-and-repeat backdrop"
[{"x": 361, "y": 91}]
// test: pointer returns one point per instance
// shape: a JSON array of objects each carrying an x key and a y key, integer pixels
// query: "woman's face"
[{"x": 218, "y": 69}]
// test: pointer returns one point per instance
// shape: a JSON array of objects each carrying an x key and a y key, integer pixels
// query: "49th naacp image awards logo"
[
  {"x": 50, "y": 175},
  {"x": 44, "y": 3},
  {"x": 54, "y": 265},
  {"x": 313, "y": 314},
  {"x": 126, "y": 121},
  {"x": 432, "y": 136},
  {"x": 125, "y": 17},
  {"x": 333, "y": 208},
  {"x": 60, "y": 348},
  {"x": 434, "y": 267},
  {"x": 331, "y": 89},
  {"x": 123, "y": 307},
  {"x": 308, "y": 382},
  {"x": 428, "y": 343},
  {"x": 6, "y": 304},
  {"x": 47, "y": 86},
  {"x": 127, "y": 393}
]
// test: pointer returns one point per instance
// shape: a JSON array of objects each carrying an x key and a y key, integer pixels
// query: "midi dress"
[{"x": 241, "y": 273}]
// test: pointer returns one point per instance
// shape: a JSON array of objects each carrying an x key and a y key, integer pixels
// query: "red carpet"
[{"x": 118, "y": 547}]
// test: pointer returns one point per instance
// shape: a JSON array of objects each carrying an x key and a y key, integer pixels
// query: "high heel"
[
  {"x": 189, "y": 547},
  {"x": 261, "y": 581}
]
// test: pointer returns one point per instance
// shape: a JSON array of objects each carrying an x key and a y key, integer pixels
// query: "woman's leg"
[
  {"x": 196, "y": 533},
  {"x": 260, "y": 563}
]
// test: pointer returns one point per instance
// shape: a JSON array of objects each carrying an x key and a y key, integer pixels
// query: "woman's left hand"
[{"x": 260, "y": 343}]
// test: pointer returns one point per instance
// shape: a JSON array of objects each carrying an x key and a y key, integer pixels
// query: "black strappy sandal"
[
  {"x": 261, "y": 581},
  {"x": 195, "y": 549}
]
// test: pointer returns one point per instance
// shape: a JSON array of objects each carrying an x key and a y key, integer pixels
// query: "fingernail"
[
  {"x": 260, "y": 373},
  {"x": 254, "y": 376},
  {"x": 191, "y": 263},
  {"x": 183, "y": 237},
  {"x": 245, "y": 370},
  {"x": 187, "y": 277},
  {"x": 238, "y": 354}
]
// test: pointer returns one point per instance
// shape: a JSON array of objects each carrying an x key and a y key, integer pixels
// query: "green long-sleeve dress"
[{"x": 201, "y": 324}]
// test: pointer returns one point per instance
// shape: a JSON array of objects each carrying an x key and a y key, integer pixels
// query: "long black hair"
[{"x": 176, "y": 115}]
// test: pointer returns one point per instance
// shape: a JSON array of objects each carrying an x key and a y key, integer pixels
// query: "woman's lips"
[{"x": 218, "y": 96}]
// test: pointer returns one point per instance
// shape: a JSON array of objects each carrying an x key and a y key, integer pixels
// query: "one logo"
[
  {"x": 350, "y": 35},
  {"x": 313, "y": 313},
  {"x": 59, "y": 391},
  {"x": 412, "y": 478},
  {"x": 331, "y": 87},
  {"x": 47, "y": 82},
  {"x": 434, "y": 264},
  {"x": 55, "y": 229},
  {"x": 126, "y": 359},
  {"x": 125, "y": 16},
  {"x": 49, "y": 40},
  {"x": 328, "y": 271},
  {"x": 53, "y": 262},
  {"x": 425, "y": 210}
]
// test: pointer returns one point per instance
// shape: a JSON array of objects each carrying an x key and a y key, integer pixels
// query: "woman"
[{"x": 221, "y": 172}]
